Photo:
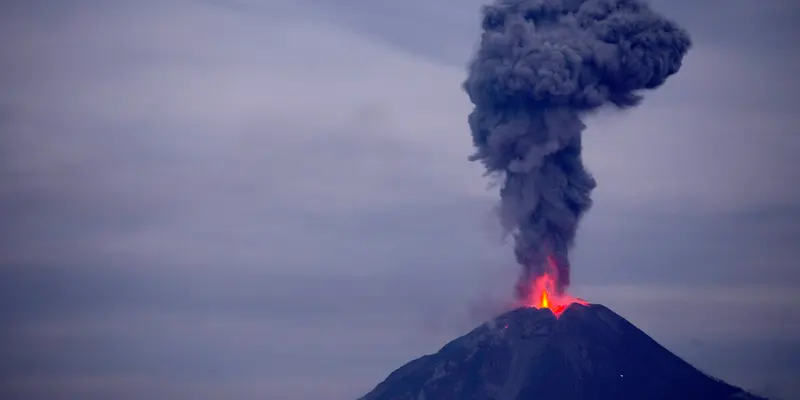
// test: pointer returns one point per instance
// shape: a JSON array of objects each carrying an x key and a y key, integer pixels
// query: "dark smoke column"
[{"x": 541, "y": 66}]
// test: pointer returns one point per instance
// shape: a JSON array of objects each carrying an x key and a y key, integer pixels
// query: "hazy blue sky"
[{"x": 271, "y": 199}]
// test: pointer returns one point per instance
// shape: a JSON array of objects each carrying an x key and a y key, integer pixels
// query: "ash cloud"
[{"x": 542, "y": 66}]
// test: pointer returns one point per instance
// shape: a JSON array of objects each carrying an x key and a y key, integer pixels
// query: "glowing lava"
[{"x": 543, "y": 293}]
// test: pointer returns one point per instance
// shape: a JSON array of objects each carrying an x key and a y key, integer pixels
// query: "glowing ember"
[{"x": 543, "y": 293}]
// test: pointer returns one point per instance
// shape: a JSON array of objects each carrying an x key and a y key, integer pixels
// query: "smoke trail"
[{"x": 540, "y": 67}]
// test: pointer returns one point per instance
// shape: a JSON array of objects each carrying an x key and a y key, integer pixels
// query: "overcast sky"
[{"x": 205, "y": 199}]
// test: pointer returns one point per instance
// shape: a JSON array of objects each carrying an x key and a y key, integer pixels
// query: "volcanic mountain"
[{"x": 587, "y": 352}]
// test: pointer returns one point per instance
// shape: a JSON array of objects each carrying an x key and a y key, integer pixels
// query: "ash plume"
[{"x": 541, "y": 66}]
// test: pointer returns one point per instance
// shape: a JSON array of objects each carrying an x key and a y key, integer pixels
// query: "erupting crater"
[{"x": 544, "y": 294}]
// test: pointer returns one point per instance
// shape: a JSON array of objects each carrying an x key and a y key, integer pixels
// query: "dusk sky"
[{"x": 244, "y": 199}]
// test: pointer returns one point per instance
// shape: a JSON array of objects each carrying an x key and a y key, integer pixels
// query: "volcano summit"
[{"x": 587, "y": 353}]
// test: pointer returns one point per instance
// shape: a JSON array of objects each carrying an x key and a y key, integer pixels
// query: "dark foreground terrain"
[{"x": 589, "y": 353}]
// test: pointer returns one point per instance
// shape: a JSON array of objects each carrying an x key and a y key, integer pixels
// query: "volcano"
[{"x": 587, "y": 352}]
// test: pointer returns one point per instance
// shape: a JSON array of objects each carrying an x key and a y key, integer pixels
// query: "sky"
[{"x": 207, "y": 199}]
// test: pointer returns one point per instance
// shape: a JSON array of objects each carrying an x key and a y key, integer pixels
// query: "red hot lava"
[{"x": 542, "y": 293}]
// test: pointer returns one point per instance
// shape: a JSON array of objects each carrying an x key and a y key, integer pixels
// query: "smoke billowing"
[{"x": 541, "y": 66}]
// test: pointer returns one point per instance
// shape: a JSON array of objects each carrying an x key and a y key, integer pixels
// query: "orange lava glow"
[{"x": 544, "y": 295}]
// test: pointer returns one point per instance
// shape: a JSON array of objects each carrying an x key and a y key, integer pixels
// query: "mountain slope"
[{"x": 589, "y": 353}]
